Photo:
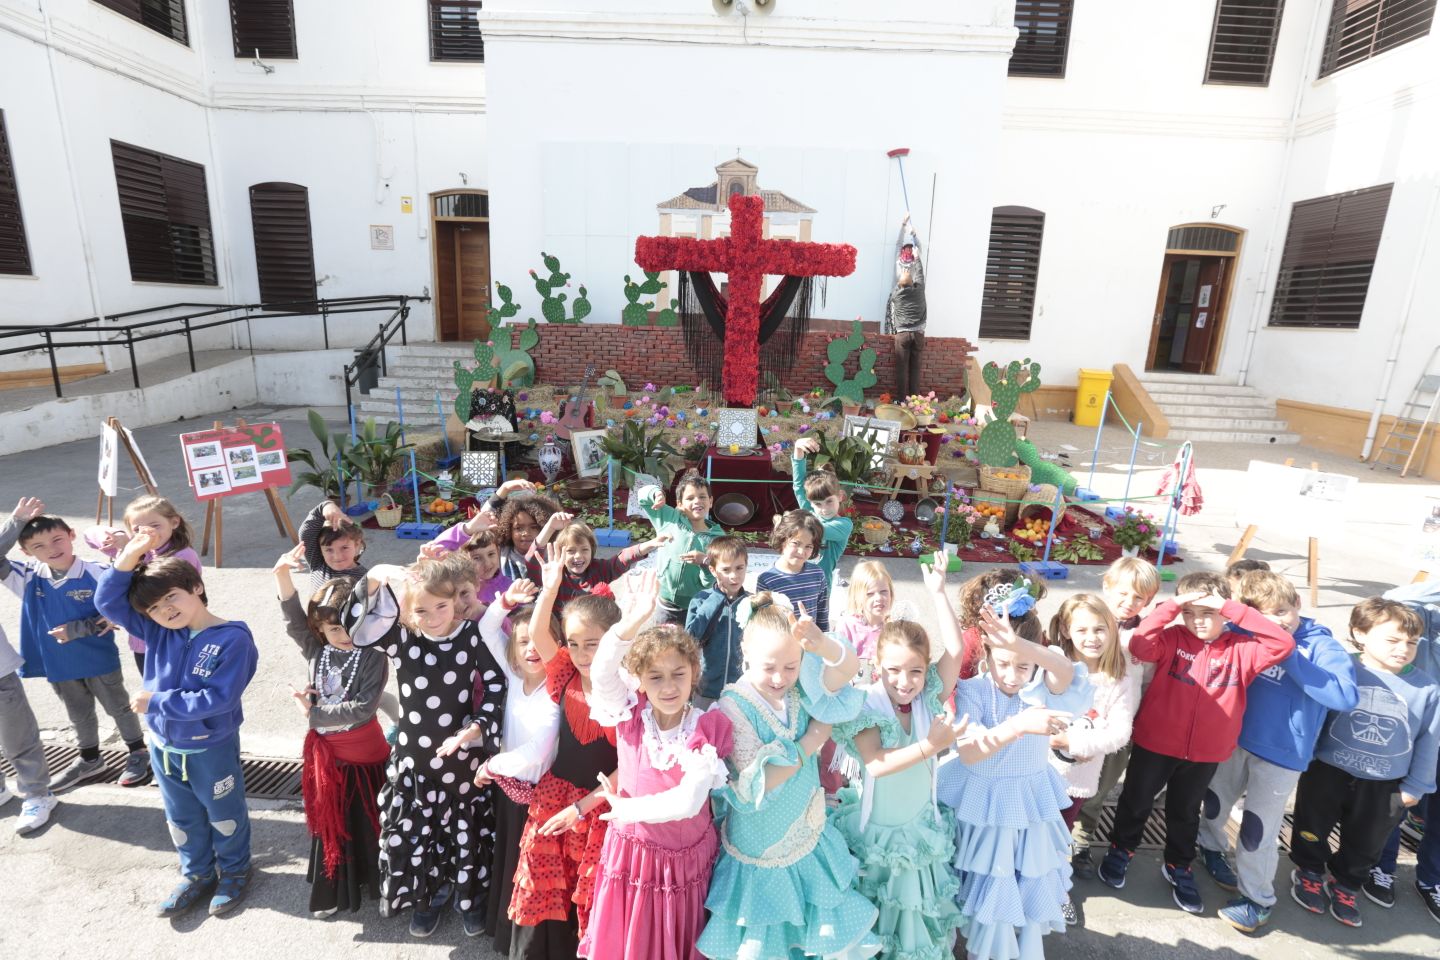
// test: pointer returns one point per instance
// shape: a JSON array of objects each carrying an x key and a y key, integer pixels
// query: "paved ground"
[{"x": 89, "y": 879}]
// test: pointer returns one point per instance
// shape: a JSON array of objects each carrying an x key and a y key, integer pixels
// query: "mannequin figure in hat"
[{"x": 905, "y": 311}]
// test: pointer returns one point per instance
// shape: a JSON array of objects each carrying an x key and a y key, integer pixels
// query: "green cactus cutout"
[
  {"x": 507, "y": 309},
  {"x": 852, "y": 389},
  {"x": 515, "y": 365},
  {"x": 668, "y": 317},
  {"x": 1043, "y": 471},
  {"x": 482, "y": 376},
  {"x": 552, "y": 305},
  {"x": 637, "y": 314},
  {"x": 996, "y": 447}
]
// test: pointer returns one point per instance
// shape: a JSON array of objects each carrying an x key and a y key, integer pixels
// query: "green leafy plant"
[
  {"x": 1135, "y": 528},
  {"x": 552, "y": 305},
  {"x": 327, "y": 471},
  {"x": 641, "y": 450},
  {"x": 1021, "y": 552},
  {"x": 850, "y": 389},
  {"x": 1076, "y": 550},
  {"x": 996, "y": 446},
  {"x": 374, "y": 453},
  {"x": 965, "y": 523},
  {"x": 851, "y": 457}
]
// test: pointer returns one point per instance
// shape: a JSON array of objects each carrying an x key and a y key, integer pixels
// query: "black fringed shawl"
[{"x": 703, "y": 310}]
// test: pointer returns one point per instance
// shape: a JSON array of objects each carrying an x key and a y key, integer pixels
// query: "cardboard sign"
[
  {"x": 243, "y": 459},
  {"x": 109, "y": 474},
  {"x": 1294, "y": 501}
]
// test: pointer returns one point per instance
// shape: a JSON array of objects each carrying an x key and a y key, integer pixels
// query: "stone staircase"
[
  {"x": 419, "y": 370},
  {"x": 1213, "y": 409}
]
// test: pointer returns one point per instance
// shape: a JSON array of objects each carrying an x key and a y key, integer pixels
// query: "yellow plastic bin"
[{"x": 1090, "y": 397}]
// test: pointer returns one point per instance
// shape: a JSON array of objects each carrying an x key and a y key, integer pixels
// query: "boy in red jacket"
[{"x": 1189, "y": 720}]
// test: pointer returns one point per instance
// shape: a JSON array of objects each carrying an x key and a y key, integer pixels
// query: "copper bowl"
[
  {"x": 582, "y": 488},
  {"x": 734, "y": 509}
]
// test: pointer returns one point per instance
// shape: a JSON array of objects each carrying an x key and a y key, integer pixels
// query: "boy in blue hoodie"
[
  {"x": 197, "y": 667},
  {"x": 713, "y": 618},
  {"x": 1284, "y": 711}
]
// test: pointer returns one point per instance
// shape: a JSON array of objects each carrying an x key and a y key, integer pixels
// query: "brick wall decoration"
[{"x": 657, "y": 355}]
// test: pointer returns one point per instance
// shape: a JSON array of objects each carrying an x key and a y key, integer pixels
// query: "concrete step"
[
  {"x": 411, "y": 387},
  {"x": 1248, "y": 425},
  {"x": 1167, "y": 399},
  {"x": 1212, "y": 379},
  {"x": 1200, "y": 389},
  {"x": 445, "y": 351},
  {"x": 1230, "y": 436}
]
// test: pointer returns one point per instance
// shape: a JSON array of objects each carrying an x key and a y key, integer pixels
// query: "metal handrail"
[
  {"x": 108, "y": 336},
  {"x": 366, "y": 356}
]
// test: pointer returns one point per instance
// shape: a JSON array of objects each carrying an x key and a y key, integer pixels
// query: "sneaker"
[
  {"x": 186, "y": 894},
  {"x": 1380, "y": 888},
  {"x": 1113, "y": 867},
  {"x": 1342, "y": 903},
  {"x": 229, "y": 892},
  {"x": 1431, "y": 898},
  {"x": 324, "y": 914},
  {"x": 1245, "y": 914},
  {"x": 137, "y": 769},
  {"x": 1218, "y": 866},
  {"x": 1182, "y": 880},
  {"x": 1082, "y": 865},
  {"x": 473, "y": 921},
  {"x": 35, "y": 813},
  {"x": 1067, "y": 910},
  {"x": 1307, "y": 889},
  {"x": 76, "y": 774},
  {"x": 424, "y": 922}
]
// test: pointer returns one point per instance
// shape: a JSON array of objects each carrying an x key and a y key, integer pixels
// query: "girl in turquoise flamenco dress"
[
  {"x": 1012, "y": 848},
  {"x": 890, "y": 818},
  {"x": 783, "y": 886}
]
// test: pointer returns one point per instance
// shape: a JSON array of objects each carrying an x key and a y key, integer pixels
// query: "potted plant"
[
  {"x": 327, "y": 472},
  {"x": 640, "y": 450},
  {"x": 693, "y": 448},
  {"x": 852, "y": 458},
  {"x": 921, "y": 407},
  {"x": 374, "y": 454},
  {"x": 1135, "y": 531},
  {"x": 965, "y": 523}
]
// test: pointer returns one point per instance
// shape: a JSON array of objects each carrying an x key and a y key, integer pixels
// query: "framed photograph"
[
  {"x": 268, "y": 460},
  {"x": 480, "y": 468},
  {"x": 211, "y": 482},
  {"x": 639, "y": 482},
  {"x": 244, "y": 474},
  {"x": 884, "y": 433},
  {"x": 590, "y": 456},
  {"x": 241, "y": 456},
  {"x": 738, "y": 427}
]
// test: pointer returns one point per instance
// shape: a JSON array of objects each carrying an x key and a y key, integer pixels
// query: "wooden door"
[
  {"x": 1201, "y": 339},
  {"x": 1174, "y": 310},
  {"x": 472, "y": 280},
  {"x": 446, "y": 312}
]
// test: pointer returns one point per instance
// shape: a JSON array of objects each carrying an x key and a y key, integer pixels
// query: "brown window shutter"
[
  {"x": 1012, "y": 269},
  {"x": 1044, "y": 41},
  {"x": 14, "y": 252},
  {"x": 284, "y": 257},
  {"x": 165, "y": 211},
  {"x": 454, "y": 31},
  {"x": 267, "y": 26},
  {"x": 165, "y": 17},
  {"x": 1359, "y": 29},
  {"x": 1329, "y": 254},
  {"x": 1242, "y": 41}
]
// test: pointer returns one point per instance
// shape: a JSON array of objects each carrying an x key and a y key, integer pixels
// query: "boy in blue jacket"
[
  {"x": 713, "y": 620},
  {"x": 1284, "y": 711},
  {"x": 197, "y": 667}
]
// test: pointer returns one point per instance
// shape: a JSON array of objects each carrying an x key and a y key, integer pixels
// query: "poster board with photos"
[
  {"x": 246, "y": 458},
  {"x": 1295, "y": 501},
  {"x": 1428, "y": 542}
]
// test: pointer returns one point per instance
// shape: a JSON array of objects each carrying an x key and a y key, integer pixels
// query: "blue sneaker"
[
  {"x": 186, "y": 894},
  {"x": 1245, "y": 914},
  {"x": 1219, "y": 869},
  {"x": 1113, "y": 867},
  {"x": 229, "y": 892},
  {"x": 1182, "y": 880}
]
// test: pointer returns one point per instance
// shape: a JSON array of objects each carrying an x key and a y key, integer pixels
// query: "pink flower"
[
  {"x": 547, "y": 417},
  {"x": 649, "y": 388}
]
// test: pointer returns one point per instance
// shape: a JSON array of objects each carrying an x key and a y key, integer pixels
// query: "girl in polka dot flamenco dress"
[{"x": 436, "y": 826}]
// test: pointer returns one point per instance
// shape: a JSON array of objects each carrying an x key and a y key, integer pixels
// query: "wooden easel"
[
  {"x": 214, "y": 515},
  {"x": 104, "y": 502},
  {"x": 1313, "y": 565}
]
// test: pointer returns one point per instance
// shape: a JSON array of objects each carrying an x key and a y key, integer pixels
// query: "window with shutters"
[
  {"x": 165, "y": 17},
  {"x": 1359, "y": 29},
  {"x": 284, "y": 258},
  {"x": 263, "y": 28},
  {"x": 1011, "y": 271},
  {"x": 1242, "y": 42},
  {"x": 14, "y": 252},
  {"x": 1329, "y": 255},
  {"x": 165, "y": 211},
  {"x": 455, "y": 32},
  {"x": 1044, "y": 39}
]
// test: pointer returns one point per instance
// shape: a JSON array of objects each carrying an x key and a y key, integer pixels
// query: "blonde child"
[
  {"x": 783, "y": 885},
  {"x": 869, "y": 602},
  {"x": 891, "y": 820},
  {"x": 1084, "y": 630},
  {"x": 1005, "y": 798},
  {"x": 655, "y": 866},
  {"x": 683, "y": 573},
  {"x": 797, "y": 536}
]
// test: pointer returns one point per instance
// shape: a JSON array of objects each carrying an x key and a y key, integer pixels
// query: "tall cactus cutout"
[
  {"x": 552, "y": 305},
  {"x": 996, "y": 447},
  {"x": 515, "y": 365},
  {"x": 850, "y": 389},
  {"x": 635, "y": 313},
  {"x": 507, "y": 309},
  {"x": 483, "y": 375}
]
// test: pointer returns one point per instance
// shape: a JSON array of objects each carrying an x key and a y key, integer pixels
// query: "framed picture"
[
  {"x": 884, "y": 434},
  {"x": 590, "y": 457},
  {"x": 738, "y": 427},
  {"x": 480, "y": 468}
]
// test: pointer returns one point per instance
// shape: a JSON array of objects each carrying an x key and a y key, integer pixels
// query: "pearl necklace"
[
  {"x": 322, "y": 670},
  {"x": 665, "y": 746}
]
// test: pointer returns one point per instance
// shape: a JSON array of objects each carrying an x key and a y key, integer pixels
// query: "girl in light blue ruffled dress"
[{"x": 1012, "y": 848}]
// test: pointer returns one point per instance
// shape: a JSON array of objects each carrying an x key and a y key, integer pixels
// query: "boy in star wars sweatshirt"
[{"x": 197, "y": 667}]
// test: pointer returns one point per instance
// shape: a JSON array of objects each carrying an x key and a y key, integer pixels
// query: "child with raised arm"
[
  {"x": 331, "y": 544},
  {"x": 891, "y": 819},
  {"x": 64, "y": 639},
  {"x": 1284, "y": 710},
  {"x": 820, "y": 494},
  {"x": 682, "y": 561},
  {"x": 581, "y": 571},
  {"x": 784, "y": 883},
  {"x": 1012, "y": 847},
  {"x": 345, "y": 749},
  {"x": 654, "y": 869},
  {"x": 197, "y": 666},
  {"x": 1189, "y": 719},
  {"x": 713, "y": 618},
  {"x": 19, "y": 731},
  {"x": 1371, "y": 764}
]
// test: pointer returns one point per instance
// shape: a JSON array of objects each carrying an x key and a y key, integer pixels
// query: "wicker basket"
[
  {"x": 1006, "y": 487},
  {"x": 388, "y": 513},
  {"x": 1041, "y": 503},
  {"x": 1011, "y": 508},
  {"x": 875, "y": 531}
]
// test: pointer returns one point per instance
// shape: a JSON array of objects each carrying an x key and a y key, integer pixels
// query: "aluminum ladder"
[{"x": 1414, "y": 426}]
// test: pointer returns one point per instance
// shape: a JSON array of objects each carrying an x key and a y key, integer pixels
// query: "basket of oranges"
[
  {"x": 1010, "y": 482},
  {"x": 1040, "y": 503},
  {"x": 993, "y": 505},
  {"x": 1032, "y": 530},
  {"x": 875, "y": 531}
]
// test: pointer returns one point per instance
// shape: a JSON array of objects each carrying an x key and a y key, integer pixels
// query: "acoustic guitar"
[{"x": 575, "y": 412}]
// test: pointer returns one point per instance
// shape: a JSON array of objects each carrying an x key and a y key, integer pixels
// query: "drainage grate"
[{"x": 265, "y": 778}]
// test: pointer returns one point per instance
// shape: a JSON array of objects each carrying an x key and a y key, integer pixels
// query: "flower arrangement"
[
  {"x": 693, "y": 447},
  {"x": 965, "y": 523},
  {"x": 922, "y": 407},
  {"x": 1135, "y": 530}
]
